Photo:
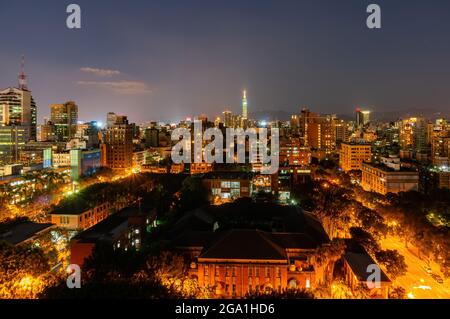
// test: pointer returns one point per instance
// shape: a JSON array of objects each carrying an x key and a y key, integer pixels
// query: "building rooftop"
[
  {"x": 359, "y": 262},
  {"x": 110, "y": 228},
  {"x": 246, "y": 214},
  {"x": 248, "y": 230},
  {"x": 244, "y": 244},
  {"x": 23, "y": 231},
  {"x": 403, "y": 169}
]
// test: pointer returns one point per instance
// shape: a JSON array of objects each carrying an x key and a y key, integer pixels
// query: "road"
[{"x": 417, "y": 282}]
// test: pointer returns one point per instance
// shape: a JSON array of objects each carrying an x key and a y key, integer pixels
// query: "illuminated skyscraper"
[
  {"x": 17, "y": 119},
  {"x": 244, "y": 106},
  {"x": 362, "y": 117},
  {"x": 228, "y": 118}
]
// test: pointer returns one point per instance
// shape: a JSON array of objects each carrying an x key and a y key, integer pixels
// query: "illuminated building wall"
[
  {"x": 352, "y": 155},
  {"x": 383, "y": 180}
]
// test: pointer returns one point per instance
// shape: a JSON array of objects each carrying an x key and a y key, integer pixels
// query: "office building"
[
  {"x": 65, "y": 118},
  {"x": 362, "y": 117}
]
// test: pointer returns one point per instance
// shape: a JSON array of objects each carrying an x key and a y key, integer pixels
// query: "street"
[{"x": 417, "y": 282}]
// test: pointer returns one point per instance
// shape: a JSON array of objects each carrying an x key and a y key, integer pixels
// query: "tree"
[
  {"x": 393, "y": 262},
  {"x": 172, "y": 272},
  {"x": 193, "y": 194},
  {"x": 326, "y": 257},
  {"x": 365, "y": 239},
  {"x": 397, "y": 293},
  {"x": 24, "y": 272}
]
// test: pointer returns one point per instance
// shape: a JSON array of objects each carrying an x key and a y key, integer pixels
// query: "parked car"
[
  {"x": 427, "y": 269},
  {"x": 438, "y": 278}
]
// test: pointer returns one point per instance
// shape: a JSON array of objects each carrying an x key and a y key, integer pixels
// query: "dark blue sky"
[{"x": 179, "y": 58}]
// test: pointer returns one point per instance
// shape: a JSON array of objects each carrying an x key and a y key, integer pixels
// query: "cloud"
[
  {"x": 100, "y": 72},
  {"x": 121, "y": 87}
]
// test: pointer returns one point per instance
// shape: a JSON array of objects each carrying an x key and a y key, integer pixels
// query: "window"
[
  {"x": 235, "y": 192},
  {"x": 206, "y": 270},
  {"x": 225, "y": 184},
  {"x": 217, "y": 271},
  {"x": 267, "y": 272},
  {"x": 235, "y": 185},
  {"x": 250, "y": 271}
]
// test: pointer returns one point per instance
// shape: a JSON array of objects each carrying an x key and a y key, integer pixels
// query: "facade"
[
  {"x": 200, "y": 168},
  {"x": 110, "y": 119},
  {"x": 151, "y": 137},
  {"x": 84, "y": 162},
  {"x": 443, "y": 177},
  {"x": 65, "y": 118},
  {"x": 119, "y": 145},
  {"x": 139, "y": 158},
  {"x": 362, "y": 117},
  {"x": 17, "y": 108},
  {"x": 236, "y": 262},
  {"x": 17, "y": 121},
  {"x": 293, "y": 154},
  {"x": 440, "y": 147},
  {"x": 264, "y": 262},
  {"x": 47, "y": 132},
  {"x": 81, "y": 162},
  {"x": 81, "y": 220},
  {"x": 384, "y": 179},
  {"x": 352, "y": 155},
  {"x": 123, "y": 230},
  {"x": 227, "y": 186},
  {"x": 355, "y": 272},
  {"x": 318, "y": 131},
  {"x": 12, "y": 142}
]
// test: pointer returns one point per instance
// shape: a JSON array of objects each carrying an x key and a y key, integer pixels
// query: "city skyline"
[{"x": 174, "y": 60}]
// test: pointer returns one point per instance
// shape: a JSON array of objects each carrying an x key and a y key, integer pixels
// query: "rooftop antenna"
[{"x": 22, "y": 76}]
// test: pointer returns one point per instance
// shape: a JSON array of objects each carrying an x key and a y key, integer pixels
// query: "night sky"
[{"x": 171, "y": 59}]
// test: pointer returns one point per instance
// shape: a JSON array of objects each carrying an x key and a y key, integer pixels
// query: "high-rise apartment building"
[
  {"x": 352, "y": 155},
  {"x": 318, "y": 131},
  {"x": 118, "y": 142}
]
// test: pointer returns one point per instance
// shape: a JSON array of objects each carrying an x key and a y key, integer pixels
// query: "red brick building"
[{"x": 234, "y": 262}]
